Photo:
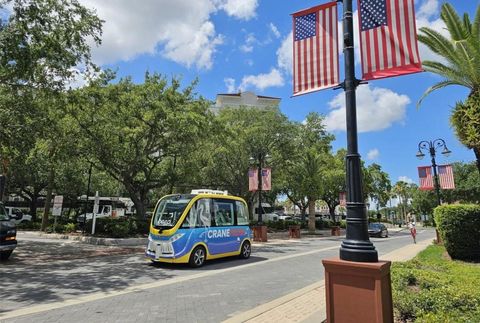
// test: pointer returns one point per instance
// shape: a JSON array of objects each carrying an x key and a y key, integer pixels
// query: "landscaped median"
[{"x": 433, "y": 288}]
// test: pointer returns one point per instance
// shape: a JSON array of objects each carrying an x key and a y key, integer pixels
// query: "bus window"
[
  {"x": 224, "y": 212},
  {"x": 242, "y": 215},
  {"x": 203, "y": 213}
]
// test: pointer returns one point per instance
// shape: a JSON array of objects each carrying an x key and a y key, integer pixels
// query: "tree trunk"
[
  {"x": 476, "y": 151},
  {"x": 311, "y": 216},
  {"x": 331, "y": 210},
  {"x": 46, "y": 211},
  {"x": 33, "y": 207}
]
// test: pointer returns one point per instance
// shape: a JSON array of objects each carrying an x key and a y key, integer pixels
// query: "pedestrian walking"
[{"x": 413, "y": 231}]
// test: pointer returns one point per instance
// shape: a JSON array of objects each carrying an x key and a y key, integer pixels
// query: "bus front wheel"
[
  {"x": 246, "y": 250},
  {"x": 197, "y": 257}
]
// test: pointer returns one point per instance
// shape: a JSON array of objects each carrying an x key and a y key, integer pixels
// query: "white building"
[{"x": 246, "y": 99}]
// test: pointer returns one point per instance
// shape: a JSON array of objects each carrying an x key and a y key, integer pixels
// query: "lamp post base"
[
  {"x": 361, "y": 251},
  {"x": 358, "y": 291}
]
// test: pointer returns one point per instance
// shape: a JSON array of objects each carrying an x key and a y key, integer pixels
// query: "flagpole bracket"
[
  {"x": 339, "y": 86},
  {"x": 359, "y": 82}
]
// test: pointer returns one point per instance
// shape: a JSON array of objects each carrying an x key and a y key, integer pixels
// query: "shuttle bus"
[{"x": 203, "y": 225}]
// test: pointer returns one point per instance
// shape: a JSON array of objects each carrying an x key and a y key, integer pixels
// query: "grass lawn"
[{"x": 434, "y": 288}]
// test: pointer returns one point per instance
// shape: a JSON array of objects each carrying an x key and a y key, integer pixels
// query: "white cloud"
[
  {"x": 285, "y": 55},
  {"x": 262, "y": 81},
  {"x": 274, "y": 30},
  {"x": 406, "y": 179},
  {"x": 180, "y": 30},
  {"x": 373, "y": 154},
  {"x": 230, "y": 84},
  {"x": 428, "y": 8},
  {"x": 240, "y": 9},
  {"x": 250, "y": 40},
  {"x": 377, "y": 109}
]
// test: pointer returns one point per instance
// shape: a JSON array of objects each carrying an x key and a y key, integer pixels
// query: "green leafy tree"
[
  {"x": 465, "y": 119},
  {"x": 304, "y": 175},
  {"x": 334, "y": 181},
  {"x": 139, "y": 133},
  {"x": 378, "y": 185},
  {"x": 467, "y": 185},
  {"x": 461, "y": 51},
  {"x": 43, "y": 42}
]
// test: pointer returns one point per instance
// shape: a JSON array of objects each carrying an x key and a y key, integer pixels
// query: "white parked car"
[{"x": 17, "y": 215}]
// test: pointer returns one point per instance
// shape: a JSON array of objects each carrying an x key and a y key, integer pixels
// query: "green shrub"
[
  {"x": 70, "y": 227},
  {"x": 29, "y": 225},
  {"x": 431, "y": 288},
  {"x": 459, "y": 227}
]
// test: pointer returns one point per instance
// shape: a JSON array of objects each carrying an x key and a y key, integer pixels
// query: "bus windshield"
[{"x": 169, "y": 210}]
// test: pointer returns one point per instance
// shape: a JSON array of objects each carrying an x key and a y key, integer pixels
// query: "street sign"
[{"x": 57, "y": 205}]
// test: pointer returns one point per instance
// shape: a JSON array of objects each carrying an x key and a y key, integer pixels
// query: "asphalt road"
[{"x": 59, "y": 281}]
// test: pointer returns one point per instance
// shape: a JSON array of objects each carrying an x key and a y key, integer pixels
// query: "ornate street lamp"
[{"x": 432, "y": 147}]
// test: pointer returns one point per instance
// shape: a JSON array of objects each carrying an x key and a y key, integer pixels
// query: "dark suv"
[{"x": 8, "y": 234}]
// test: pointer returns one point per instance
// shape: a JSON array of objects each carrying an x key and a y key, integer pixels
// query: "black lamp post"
[
  {"x": 357, "y": 245},
  {"x": 260, "y": 159},
  {"x": 431, "y": 147}
]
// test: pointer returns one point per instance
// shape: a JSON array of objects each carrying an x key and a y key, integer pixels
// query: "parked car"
[
  {"x": 17, "y": 215},
  {"x": 284, "y": 217},
  {"x": 8, "y": 234},
  {"x": 377, "y": 230}
]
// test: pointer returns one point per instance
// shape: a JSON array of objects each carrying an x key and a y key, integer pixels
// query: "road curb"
[{"x": 90, "y": 240}]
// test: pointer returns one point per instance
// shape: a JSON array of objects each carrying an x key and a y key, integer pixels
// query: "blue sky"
[{"x": 232, "y": 45}]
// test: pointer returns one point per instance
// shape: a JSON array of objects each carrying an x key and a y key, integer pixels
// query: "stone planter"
[
  {"x": 335, "y": 231},
  {"x": 294, "y": 232},
  {"x": 260, "y": 233}
]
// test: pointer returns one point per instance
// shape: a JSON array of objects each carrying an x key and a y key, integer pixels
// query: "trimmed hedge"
[
  {"x": 119, "y": 227},
  {"x": 459, "y": 227}
]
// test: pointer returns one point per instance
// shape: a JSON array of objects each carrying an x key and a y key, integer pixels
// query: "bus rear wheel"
[
  {"x": 197, "y": 257},
  {"x": 246, "y": 250}
]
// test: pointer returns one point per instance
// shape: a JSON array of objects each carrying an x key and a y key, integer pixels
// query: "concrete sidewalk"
[{"x": 308, "y": 304}]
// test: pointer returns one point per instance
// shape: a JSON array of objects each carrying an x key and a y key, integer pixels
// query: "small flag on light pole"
[
  {"x": 315, "y": 49},
  {"x": 388, "y": 38},
  {"x": 266, "y": 179},
  {"x": 252, "y": 179},
  {"x": 426, "y": 179},
  {"x": 445, "y": 176}
]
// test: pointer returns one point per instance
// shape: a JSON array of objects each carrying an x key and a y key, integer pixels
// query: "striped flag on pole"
[
  {"x": 315, "y": 49},
  {"x": 388, "y": 38},
  {"x": 253, "y": 179},
  {"x": 426, "y": 178},
  {"x": 445, "y": 176}
]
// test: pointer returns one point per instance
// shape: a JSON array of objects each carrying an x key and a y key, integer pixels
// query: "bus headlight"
[{"x": 176, "y": 237}]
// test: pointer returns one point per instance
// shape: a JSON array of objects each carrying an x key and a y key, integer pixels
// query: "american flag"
[
  {"x": 426, "y": 179},
  {"x": 388, "y": 38},
  {"x": 445, "y": 176},
  {"x": 252, "y": 179},
  {"x": 266, "y": 179},
  {"x": 315, "y": 49},
  {"x": 343, "y": 198}
]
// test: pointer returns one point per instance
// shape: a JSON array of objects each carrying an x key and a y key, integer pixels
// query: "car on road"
[
  {"x": 377, "y": 230},
  {"x": 17, "y": 215},
  {"x": 8, "y": 234}
]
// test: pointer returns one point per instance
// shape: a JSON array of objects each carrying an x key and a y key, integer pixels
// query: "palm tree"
[{"x": 462, "y": 67}]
